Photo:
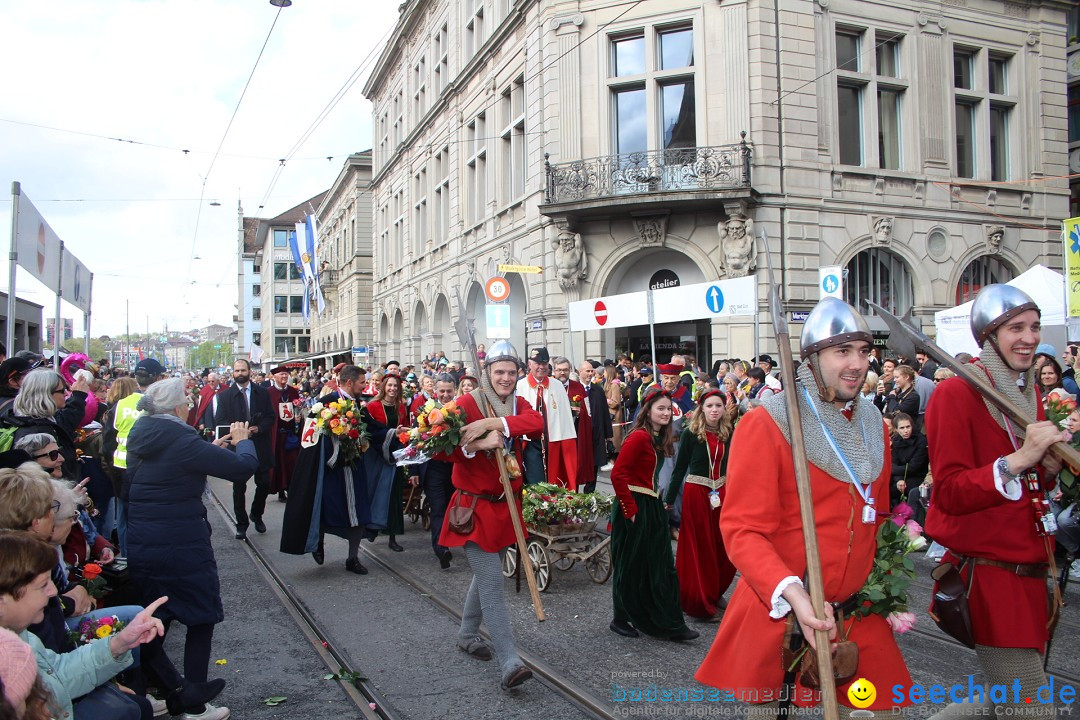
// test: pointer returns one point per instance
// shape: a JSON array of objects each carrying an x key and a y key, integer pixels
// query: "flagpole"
[
  {"x": 57, "y": 330},
  {"x": 13, "y": 260},
  {"x": 86, "y": 317}
]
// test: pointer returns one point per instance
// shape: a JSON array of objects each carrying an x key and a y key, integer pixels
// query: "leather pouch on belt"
[
  {"x": 803, "y": 660},
  {"x": 950, "y": 607}
]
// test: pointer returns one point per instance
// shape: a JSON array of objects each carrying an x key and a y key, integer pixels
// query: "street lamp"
[{"x": 281, "y": 3}]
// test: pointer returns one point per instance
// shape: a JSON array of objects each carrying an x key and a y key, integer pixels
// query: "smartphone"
[{"x": 221, "y": 431}]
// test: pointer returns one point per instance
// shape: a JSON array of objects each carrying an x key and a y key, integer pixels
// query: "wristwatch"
[{"x": 1003, "y": 470}]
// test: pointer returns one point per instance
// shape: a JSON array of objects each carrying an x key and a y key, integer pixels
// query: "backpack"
[{"x": 7, "y": 437}]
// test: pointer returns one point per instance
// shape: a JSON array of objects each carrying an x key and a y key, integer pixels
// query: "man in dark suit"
[
  {"x": 596, "y": 400},
  {"x": 247, "y": 402}
]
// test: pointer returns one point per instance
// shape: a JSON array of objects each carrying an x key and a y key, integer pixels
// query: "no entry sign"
[{"x": 600, "y": 312}]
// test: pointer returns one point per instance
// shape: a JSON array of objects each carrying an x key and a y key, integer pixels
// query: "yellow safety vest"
[{"x": 124, "y": 417}]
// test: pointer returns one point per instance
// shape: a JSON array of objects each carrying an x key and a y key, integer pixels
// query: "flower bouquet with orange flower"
[
  {"x": 438, "y": 430},
  {"x": 1061, "y": 408},
  {"x": 342, "y": 422},
  {"x": 90, "y": 578},
  {"x": 91, "y": 630}
]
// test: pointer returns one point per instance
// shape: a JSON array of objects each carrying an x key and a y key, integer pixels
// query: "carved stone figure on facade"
[
  {"x": 738, "y": 258},
  {"x": 571, "y": 263},
  {"x": 651, "y": 229},
  {"x": 883, "y": 226},
  {"x": 995, "y": 235}
]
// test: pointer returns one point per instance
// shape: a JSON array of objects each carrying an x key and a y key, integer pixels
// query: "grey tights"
[{"x": 486, "y": 601}]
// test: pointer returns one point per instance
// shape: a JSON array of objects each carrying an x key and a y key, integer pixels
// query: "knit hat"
[{"x": 18, "y": 667}]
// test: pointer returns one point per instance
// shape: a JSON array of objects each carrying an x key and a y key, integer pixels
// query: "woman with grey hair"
[
  {"x": 168, "y": 462},
  {"x": 44, "y": 405}
]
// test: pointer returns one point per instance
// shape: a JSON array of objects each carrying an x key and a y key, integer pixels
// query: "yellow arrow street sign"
[{"x": 524, "y": 269}]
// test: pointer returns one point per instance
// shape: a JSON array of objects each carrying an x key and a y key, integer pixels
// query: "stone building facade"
[
  {"x": 922, "y": 146},
  {"x": 345, "y": 237}
]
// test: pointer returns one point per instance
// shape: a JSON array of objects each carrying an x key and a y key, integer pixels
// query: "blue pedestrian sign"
[
  {"x": 830, "y": 284},
  {"x": 714, "y": 298}
]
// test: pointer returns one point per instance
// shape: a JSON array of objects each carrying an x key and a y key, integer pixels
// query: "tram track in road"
[
  {"x": 360, "y": 691},
  {"x": 363, "y": 693}
]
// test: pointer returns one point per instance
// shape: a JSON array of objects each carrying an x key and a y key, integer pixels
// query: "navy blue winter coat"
[{"x": 169, "y": 550}]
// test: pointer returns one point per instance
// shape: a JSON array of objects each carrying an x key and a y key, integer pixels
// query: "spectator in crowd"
[
  {"x": 42, "y": 405},
  {"x": 903, "y": 397},
  {"x": 910, "y": 458},
  {"x": 167, "y": 520},
  {"x": 466, "y": 384},
  {"x": 926, "y": 365},
  {"x": 22, "y": 693},
  {"x": 613, "y": 389},
  {"x": 1068, "y": 371},
  {"x": 12, "y": 372},
  {"x": 248, "y": 402},
  {"x": 596, "y": 401},
  {"x": 756, "y": 391},
  {"x": 1049, "y": 377}
]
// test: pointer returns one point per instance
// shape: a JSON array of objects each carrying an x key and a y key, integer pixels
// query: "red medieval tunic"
[
  {"x": 704, "y": 569},
  {"x": 492, "y": 528},
  {"x": 970, "y": 517},
  {"x": 283, "y": 449},
  {"x": 763, "y": 535}
]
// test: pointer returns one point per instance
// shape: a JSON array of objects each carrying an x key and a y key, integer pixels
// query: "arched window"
[
  {"x": 981, "y": 271},
  {"x": 877, "y": 275}
]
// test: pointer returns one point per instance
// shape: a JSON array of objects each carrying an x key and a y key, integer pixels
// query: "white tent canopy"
[{"x": 1046, "y": 288}]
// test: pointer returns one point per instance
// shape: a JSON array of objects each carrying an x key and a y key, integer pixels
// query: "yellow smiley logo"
[{"x": 862, "y": 693}]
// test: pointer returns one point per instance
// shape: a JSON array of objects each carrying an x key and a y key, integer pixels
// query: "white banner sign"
[
  {"x": 831, "y": 282},
  {"x": 719, "y": 299},
  {"x": 76, "y": 281},
  {"x": 37, "y": 245}
]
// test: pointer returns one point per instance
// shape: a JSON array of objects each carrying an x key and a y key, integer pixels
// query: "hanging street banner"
[
  {"x": 76, "y": 282},
  {"x": 1071, "y": 239},
  {"x": 717, "y": 299},
  {"x": 37, "y": 244}
]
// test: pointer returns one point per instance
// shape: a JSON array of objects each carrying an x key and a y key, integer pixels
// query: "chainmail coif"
[
  {"x": 861, "y": 439},
  {"x": 1024, "y": 396}
]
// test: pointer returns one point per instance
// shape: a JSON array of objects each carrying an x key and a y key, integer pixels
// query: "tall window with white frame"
[
  {"x": 870, "y": 90},
  {"x": 441, "y": 221},
  {"x": 476, "y": 168},
  {"x": 440, "y": 56},
  {"x": 653, "y": 90},
  {"x": 399, "y": 118},
  {"x": 419, "y": 88},
  {"x": 384, "y": 238},
  {"x": 419, "y": 229},
  {"x": 512, "y": 170},
  {"x": 983, "y": 112},
  {"x": 399, "y": 228},
  {"x": 474, "y": 27}
]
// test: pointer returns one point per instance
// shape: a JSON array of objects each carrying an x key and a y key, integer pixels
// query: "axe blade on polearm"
[
  {"x": 467, "y": 338},
  {"x": 815, "y": 586},
  {"x": 906, "y": 340}
]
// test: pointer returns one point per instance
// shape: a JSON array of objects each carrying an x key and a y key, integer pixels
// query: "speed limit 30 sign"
[{"x": 497, "y": 289}]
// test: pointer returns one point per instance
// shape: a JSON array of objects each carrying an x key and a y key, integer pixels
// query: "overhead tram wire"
[
  {"x": 213, "y": 160},
  {"x": 325, "y": 112}
]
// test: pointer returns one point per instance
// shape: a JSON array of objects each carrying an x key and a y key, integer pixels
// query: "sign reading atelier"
[{"x": 719, "y": 299}]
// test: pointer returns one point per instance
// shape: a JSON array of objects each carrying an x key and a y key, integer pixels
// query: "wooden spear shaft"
[{"x": 806, "y": 498}]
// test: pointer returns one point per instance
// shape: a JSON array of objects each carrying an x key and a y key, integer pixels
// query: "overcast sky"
[{"x": 170, "y": 73}]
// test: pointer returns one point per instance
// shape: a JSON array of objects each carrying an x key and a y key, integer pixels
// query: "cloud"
[{"x": 170, "y": 73}]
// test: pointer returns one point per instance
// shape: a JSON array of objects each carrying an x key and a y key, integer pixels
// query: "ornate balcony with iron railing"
[{"x": 642, "y": 178}]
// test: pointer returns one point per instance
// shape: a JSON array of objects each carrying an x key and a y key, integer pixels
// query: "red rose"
[
  {"x": 91, "y": 571},
  {"x": 354, "y": 434}
]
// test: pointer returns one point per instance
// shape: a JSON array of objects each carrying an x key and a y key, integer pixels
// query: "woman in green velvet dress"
[{"x": 644, "y": 586}]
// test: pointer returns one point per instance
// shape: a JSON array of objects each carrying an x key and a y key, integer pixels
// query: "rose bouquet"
[
  {"x": 885, "y": 591},
  {"x": 89, "y": 630},
  {"x": 341, "y": 421},
  {"x": 438, "y": 430},
  {"x": 91, "y": 579},
  {"x": 1060, "y": 406}
]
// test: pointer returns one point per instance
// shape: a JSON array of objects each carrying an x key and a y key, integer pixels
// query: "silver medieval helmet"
[
  {"x": 832, "y": 322},
  {"x": 994, "y": 306},
  {"x": 500, "y": 351}
]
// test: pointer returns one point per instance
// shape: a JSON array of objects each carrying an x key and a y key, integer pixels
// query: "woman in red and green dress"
[
  {"x": 644, "y": 586},
  {"x": 704, "y": 570}
]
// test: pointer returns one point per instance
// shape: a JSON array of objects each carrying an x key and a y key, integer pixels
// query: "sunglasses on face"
[{"x": 52, "y": 455}]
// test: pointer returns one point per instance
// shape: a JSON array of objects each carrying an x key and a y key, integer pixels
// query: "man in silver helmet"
[
  {"x": 497, "y": 420},
  {"x": 989, "y": 508},
  {"x": 848, "y": 451}
]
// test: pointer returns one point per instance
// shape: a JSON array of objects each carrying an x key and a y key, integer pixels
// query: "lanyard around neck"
[{"x": 864, "y": 492}]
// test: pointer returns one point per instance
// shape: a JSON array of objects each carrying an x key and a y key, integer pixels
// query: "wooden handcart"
[{"x": 562, "y": 546}]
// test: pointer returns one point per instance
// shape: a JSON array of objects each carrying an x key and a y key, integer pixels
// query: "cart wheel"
[
  {"x": 541, "y": 565},
  {"x": 414, "y": 516},
  {"x": 598, "y": 564},
  {"x": 562, "y": 562},
  {"x": 425, "y": 513},
  {"x": 509, "y": 561}
]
